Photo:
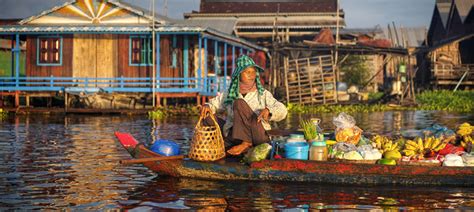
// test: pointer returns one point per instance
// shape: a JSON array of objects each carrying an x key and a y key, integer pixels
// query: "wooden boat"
[{"x": 302, "y": 171}]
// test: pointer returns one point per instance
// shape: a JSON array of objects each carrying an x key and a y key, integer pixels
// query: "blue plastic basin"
[
  {"x": 297, "y": 150},
  {"x": 165, "y": 147}
]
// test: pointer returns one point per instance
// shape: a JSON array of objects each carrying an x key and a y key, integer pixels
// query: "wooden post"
[
  {"x": 225, "y": 66},
  {"x": 322, "y": 79},
  {"x": 158, "y": 99},
  {"x": 154, "y": 56},
  {"x": 27, "y": 99},
  {"x": 299, "y": 79},
  {"x": 66, "y": 102},
  {"x": 17, "y": 98},
  {"x": 310, "y": 79},
  {"x": 285, "y": 66}
]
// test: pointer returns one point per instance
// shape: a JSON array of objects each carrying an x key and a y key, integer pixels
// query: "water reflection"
[
  {"x": 166, "y": 193},
  {"x": 56, "y": 162}
]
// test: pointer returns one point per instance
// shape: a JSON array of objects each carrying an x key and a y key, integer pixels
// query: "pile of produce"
[
  {"x": 465, "y": 131},
  {"x": 434, "y": 145}
]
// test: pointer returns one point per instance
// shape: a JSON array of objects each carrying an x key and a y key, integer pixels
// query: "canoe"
[{"x": 301, "y": 170}]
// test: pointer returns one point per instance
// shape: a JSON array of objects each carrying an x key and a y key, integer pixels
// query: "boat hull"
[{"x": 306, "y": 171}]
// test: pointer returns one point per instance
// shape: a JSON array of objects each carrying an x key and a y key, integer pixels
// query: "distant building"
[
  {"x": 449, "y": 53},
  {"x": 269, "y": 20},
  {"x": 106, "y": 47}
]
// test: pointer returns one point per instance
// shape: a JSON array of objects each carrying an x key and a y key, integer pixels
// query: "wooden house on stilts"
[
  {"x": 448, "y": 57},
  {"x": 106, "y": 51}
]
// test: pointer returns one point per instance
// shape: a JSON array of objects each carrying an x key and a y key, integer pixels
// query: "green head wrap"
[{"x": 243, "y": 62}]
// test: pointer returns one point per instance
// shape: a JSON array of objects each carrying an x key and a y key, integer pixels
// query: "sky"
[{"x": 359, "y": 13}]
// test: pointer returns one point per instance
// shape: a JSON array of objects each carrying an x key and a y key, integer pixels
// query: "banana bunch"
[
  {"x": 465, "y": 129},
  {"x": 418, "y": 148},
  {"x": 384, "y": 144},
  {"x": 467, "y": 141}
]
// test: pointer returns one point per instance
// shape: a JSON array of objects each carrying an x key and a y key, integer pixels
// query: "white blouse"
[{"x": 277, "y": 109}]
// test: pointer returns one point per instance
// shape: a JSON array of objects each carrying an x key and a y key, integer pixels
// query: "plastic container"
[
  {"x": 294, "y": 138},
  {"x": 165, "y": 147},
  {"x": 297, "y": 150},
  {"x": 297, "y": 136},
  {"x": 318, "y": 151}
]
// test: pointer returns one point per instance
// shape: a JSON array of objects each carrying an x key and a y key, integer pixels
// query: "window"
[
  {"x": 49, "y": 51},
  {"x": 141, "y": 51}
]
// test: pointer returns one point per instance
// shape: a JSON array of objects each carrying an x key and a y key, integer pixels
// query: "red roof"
[{"x": 267, "y": 6}]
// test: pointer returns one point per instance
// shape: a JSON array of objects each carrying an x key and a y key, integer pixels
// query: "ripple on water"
[{"x": 56, "y": 162}]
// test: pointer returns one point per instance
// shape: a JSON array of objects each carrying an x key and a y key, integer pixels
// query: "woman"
[{"x": 249, "y": 108}]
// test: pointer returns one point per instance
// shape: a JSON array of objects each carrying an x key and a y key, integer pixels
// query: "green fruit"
[
  {"x": 392, "y": 154},
  {"x": 386, "y": 161}
]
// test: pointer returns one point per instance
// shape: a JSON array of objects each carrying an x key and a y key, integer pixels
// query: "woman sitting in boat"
[{"x": 249, "y": 108}]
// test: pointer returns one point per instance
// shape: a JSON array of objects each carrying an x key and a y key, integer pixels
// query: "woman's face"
[{"x": 248, "y": 75}]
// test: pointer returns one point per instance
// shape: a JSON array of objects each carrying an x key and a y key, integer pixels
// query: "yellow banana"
[
  {"x": 409, "y": 152},
  {"x": 411, "y": 143},
  {"x": 394, "y": 146},
  {"x": 435, "y": 143},
  {"x": 440, "y": 147},
  {"x": 419, "y": 141},
  {"x": 379, "y": 143},
  {"x": 410, "y": 147},
  {"x": 427, "y": 143}
]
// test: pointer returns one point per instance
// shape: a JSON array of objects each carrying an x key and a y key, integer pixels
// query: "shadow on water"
[{"x": 56, "y": 162}]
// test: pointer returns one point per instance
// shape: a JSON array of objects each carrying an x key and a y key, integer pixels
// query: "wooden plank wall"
[
  {"x": 95, "y": 56},
  {"x": 106, "y": 56},
  {"x": 84, "y": 56},
  {"x": 65, "y": 70},
  {"x": 124, "y": 69}
]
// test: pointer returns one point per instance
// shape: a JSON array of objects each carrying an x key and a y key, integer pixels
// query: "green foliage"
[
  {"x": 309, "y": 129},
  {"x": 182, "y": 110},
  {"x": 355, "y": 71},
  {"x": 157, "y": 114},
  {"x": 375, "y": 96},
  {"x": 461, "y": 101},
  {"x": 3, "y": 114},
  {"x": 341, "y": 108}
]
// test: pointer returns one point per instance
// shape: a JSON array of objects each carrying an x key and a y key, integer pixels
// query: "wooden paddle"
[{"x": 143, "y": 160}]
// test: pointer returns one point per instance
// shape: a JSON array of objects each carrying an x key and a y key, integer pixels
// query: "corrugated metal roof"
[
  {"x": 267, "y": 6},
  {"x": 464, "y": 7},
  {"x": 131, "y": 29},
  {"x": 226, "y": 25},
  {"x": 72, "y": 29},
  {"x": 408, "y": 36},
  {"x": 443, "y": 7}
]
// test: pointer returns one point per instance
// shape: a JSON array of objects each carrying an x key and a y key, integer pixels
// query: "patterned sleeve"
[
  {"x": 276, "y": 108},
  {"x": 217, "y": 103}
]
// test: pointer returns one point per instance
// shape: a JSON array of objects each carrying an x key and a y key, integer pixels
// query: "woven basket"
[{"x": 207, "y": 144}]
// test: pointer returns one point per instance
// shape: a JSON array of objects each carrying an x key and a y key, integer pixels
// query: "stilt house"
[{"x": 96, "y": 46}]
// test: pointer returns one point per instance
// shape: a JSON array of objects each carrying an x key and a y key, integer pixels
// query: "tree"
[{"x": 355, "y": 70}]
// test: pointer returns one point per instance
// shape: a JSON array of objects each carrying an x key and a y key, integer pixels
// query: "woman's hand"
[
  {"x": 205, "y": 109},
  {"x": 264, "y": 115}
]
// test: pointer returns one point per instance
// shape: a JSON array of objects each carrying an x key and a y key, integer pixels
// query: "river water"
[{"x": 58, "y": 162}]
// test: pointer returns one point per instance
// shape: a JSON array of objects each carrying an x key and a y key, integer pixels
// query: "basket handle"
[
  {"x": 213, "y": 120},
  {"x": 202, "y": 117}
]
